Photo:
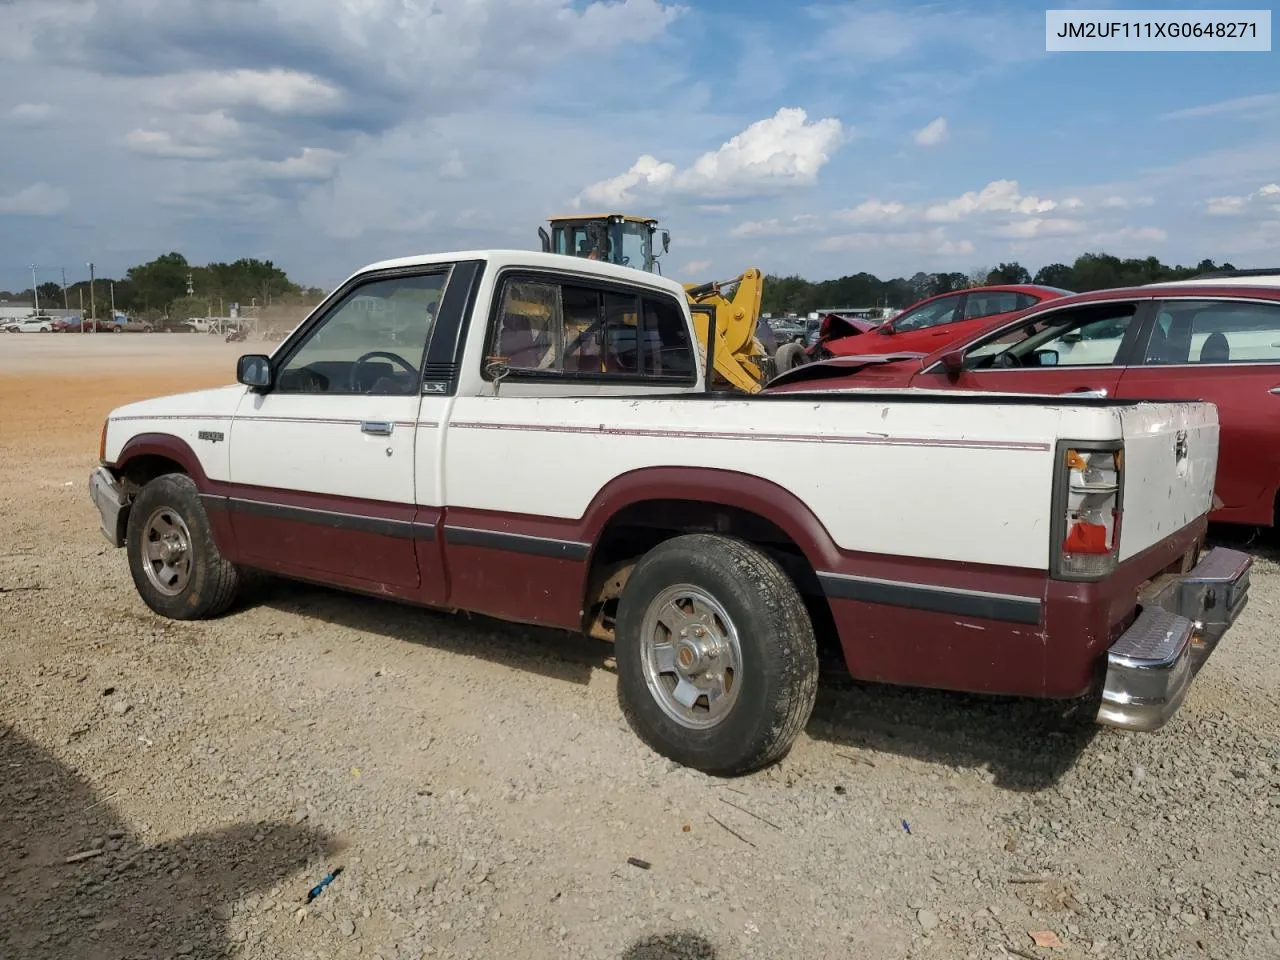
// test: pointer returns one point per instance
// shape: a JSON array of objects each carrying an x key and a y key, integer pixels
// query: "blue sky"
[{"x": 820, "y": 139}]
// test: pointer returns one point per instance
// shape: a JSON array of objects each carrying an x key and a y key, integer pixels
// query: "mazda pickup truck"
[{"x": 531, "y": 437}]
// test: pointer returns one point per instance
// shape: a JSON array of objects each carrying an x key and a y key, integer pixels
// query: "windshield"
[{"x": 631, "y": 242}]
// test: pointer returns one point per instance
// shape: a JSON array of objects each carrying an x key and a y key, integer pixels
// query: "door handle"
[
  {"x": 1274, "y": 390},
  {"x": 378, "y": 428},
  {"x": 1085, "y": 392}
]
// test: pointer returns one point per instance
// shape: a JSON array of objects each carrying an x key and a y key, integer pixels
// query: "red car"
[
  {"x": 933, "y": 322},
  {"x": 1215, "y": 339}
]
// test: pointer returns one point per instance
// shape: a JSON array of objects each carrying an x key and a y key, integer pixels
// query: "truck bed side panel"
[{"x": 914, "y": 480}]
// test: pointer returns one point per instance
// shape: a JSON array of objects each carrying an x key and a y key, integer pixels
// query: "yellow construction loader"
[{"x": 731, "y": 307}]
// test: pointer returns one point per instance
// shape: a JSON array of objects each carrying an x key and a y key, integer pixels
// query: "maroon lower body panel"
[
  {"x": 530, "y": 569},
  {"x": 377, "y": 547},
  {"x": 988, "y": 629},
  {"x": 933, "y": 623},
  {"x": 920, "y": 648},
  {"x": 901, "y": 620},
  {"x": 1084, "y": 619}
]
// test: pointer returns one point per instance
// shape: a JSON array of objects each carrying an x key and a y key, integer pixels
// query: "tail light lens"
[{"x": 1091, "y": 481}]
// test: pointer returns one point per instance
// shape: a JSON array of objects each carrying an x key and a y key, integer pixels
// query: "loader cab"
[{"x": 613, "y": 237}]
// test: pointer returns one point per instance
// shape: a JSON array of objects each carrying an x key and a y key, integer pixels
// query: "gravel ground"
[{"x": 482, "y": 795}]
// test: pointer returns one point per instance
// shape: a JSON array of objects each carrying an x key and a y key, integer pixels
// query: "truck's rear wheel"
[
  {"x": 717, "y": 662},
  {"x": 175, "y": 564}
]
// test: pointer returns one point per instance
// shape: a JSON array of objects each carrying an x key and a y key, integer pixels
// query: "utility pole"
[
  {"x": 93, "y": 303},
  {"x": 65, "y": 305},
  {"x": 35, "y": 291},
  {"x": 113, "y": 301}
]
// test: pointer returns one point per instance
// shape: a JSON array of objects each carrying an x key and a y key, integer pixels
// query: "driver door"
[
  {"x": 322, "y": 463},
  {"x": 1079, "y": 351}
]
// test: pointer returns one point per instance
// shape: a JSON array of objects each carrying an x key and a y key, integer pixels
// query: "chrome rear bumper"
[
  {"x": 1151, "y": 666},
  {"x": 112, "y": 504}
]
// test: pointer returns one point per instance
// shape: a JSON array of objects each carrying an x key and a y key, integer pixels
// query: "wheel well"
[
  {"x": 636, "y": 529},
  {"x": 138, "y": 471}
]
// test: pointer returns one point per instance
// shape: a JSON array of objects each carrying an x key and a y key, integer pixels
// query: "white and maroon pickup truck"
[{"x": 529, "y": 436}]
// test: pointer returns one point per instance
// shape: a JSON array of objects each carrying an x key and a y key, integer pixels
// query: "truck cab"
[{"x": 617, "y": 238}]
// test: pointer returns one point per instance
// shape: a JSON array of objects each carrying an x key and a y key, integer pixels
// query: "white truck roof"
[{"x": 534, "y": 258}]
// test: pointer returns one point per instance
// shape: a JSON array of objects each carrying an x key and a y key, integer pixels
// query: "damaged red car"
[{"x": 930, "y": 324}]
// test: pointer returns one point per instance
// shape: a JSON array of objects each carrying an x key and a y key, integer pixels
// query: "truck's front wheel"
[
  {"x": 717, "y": 662},
  {"x": 175, "y": 564}
]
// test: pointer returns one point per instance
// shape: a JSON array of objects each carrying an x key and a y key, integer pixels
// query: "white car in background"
[{"x": 30, "y": 325}]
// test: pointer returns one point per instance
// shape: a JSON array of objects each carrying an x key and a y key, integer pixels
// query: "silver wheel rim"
[
  {"x": 691, "y": 656},
  {"x": 166, "y": 551}
]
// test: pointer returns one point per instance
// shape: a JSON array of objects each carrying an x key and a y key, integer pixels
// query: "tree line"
[
  {"x": 1091, "y": 271},
  {"x": 159, "y": 289}
]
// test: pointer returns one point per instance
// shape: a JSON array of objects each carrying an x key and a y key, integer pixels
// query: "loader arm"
[{"x": 739, "y": 357}]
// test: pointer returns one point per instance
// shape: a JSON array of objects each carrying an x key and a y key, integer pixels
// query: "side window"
[
  {"x": 1085, "y": 337},
  {"x": 545, "y": 327},
  {"x": 1215, "y": 331},
  {"x": 530, "y": 326},
  {"x": 1024, "y": 300},
  {"x": 668, "y": 349},
  {"x": 928, "y": 315},
  {"x": 989, "y": 304},
  {"x": 372, "y": 342}
]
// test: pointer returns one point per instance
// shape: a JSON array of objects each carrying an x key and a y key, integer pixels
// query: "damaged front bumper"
[
  {"x": 1183, "y": 616},
  {"x": 112, "y": 504}
]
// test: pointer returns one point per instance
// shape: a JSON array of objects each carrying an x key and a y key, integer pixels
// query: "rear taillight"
[{"x": 1089, "y": 484}]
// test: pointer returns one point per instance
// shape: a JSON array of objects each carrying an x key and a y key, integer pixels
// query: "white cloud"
[
  {"x": 775, "y": 227},
  {"x": 931, "y": 134},
  {"x": 1124, "y": 203},
  {"x": 1226, "y": 206},
  {"x": 1037, "y": 227},
  {"x": 1126, "y": 236},
  {"x": 782, "y": 151},
  {"x": 30, "y": 114},
  {"x": 37, "y": 200},
  {"x": 275, "y": 91},
  {"x": 1260, "y": 104},
  {"x": 647, "y": 175},
  {"x": 194, "y": 137},
  {"x": 998, "y": 196},
  {"x": 1237, "y": 205},
  {"x": 695, "y": 268},
  {"x": 866, "y": 34},
  {"x": 934, "y": 241},
  {"x": 871, "y": 211},
  {"x": 452, "y": 168},
  {"x": 1072, "y": 203},
  {"x": 313, "y": 163}
]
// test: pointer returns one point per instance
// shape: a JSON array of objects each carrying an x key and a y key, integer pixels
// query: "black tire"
[
  {"x": 211, "y": 583},
  {"x": 789, "y": 356},
  {"x": 779, "y": 661}
]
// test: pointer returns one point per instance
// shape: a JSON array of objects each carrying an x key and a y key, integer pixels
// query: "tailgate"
[{"x": 1170, "y": 461}]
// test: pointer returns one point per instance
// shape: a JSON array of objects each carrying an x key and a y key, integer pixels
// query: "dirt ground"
[{"x": 175, "y": 789}]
